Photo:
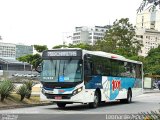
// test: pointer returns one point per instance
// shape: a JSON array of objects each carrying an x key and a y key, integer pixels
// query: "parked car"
[
  {"x": 17, "y": 75},
  {"x": 29, "y": 75}
]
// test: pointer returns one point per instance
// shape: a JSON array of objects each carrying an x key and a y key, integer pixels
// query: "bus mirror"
[{"x": 39, "y": 69}]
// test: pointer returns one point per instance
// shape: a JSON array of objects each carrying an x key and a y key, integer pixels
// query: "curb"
[{"x": 23, "y": 106}]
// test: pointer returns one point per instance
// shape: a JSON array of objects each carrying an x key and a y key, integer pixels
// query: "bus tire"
[
  {"x": 96, "y": 101},
  {"x": 129, "y": 97},
  {"x": 61, "y": 105}
]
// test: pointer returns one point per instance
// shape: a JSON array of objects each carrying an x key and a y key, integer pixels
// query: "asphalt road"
[{"x": 142, "y": 103}]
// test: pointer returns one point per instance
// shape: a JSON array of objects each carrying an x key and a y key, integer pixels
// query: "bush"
[
  {"x": 29, "y": 87},
  {"x": 6, "y": 87},
  {"x": 23, "y": 91}
]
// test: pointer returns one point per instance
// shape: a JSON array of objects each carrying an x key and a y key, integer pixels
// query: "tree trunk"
[
  {"x": 28, "y": 96},
  {"x": 2, "y": 97},
  {"x": 22, "y": 97}
]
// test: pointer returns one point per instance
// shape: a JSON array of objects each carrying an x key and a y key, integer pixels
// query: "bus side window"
[{"x": 87, "y": 66}]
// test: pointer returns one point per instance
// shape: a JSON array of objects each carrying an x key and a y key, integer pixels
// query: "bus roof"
[
  {"x": 110, "y": 55},
  {"x": 102, "y": 54}
]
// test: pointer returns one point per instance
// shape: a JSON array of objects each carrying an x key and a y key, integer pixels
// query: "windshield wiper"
[
  {"x": 55, "y": 68},
  {"x": 59, "y": 70},
  {"x": 63, "y": 67}
]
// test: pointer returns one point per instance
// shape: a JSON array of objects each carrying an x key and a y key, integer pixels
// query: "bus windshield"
[{"x": 62, "y": 71}]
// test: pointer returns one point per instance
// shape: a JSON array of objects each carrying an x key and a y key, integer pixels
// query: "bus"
[{"x": 89, "y": 77}]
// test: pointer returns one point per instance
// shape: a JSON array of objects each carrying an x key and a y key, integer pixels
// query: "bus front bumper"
[
  {"x": 69, "y": 98},
  {"x": 81, "y": 97}
]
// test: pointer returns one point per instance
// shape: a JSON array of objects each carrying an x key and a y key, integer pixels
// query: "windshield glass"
[{"x": 62, "y": 71}]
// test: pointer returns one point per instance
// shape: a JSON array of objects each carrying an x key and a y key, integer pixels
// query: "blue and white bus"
[{"x": 89, "y": 77}]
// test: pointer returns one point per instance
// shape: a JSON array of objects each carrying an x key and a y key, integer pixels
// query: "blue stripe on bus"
[
  {"x": 95, "y": 82},
  {"x": 125, "y": 83},
  {"x": 48, "y": 88}
]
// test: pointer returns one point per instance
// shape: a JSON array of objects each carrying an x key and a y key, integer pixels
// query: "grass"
[{"x": 14, "y": 99}]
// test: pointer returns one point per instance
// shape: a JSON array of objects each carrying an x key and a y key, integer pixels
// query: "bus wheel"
[
  {"x": 129, "y": 96},
  {"x": 61, "y": 105},
  {"x": 96, "y": 101}
]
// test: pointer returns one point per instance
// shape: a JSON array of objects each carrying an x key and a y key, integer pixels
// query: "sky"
[{"x": 49, "y": 22}]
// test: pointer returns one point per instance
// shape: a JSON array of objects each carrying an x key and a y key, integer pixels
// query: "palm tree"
[
  {"x": 22, "y": 91},
  {"x": 29, "y": 87},
  {"x": 6, "y": 87}
]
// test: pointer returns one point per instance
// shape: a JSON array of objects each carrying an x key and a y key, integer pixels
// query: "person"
[
  {"x": 155, "y": 84},
  {"x": 158, "y": 84}
]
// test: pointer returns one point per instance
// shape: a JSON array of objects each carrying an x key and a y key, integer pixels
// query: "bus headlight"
[
  {"x": 77, "y": 90},
  {"x": 43, "y": 91}
]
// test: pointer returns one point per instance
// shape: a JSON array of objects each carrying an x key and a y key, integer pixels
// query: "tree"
[
  {"x": 29, "y": 85},
  {"x": 23, "y": 91},
  {"x": 59, "y": 46},
  {"x": 35, "y": 59},
  {"x": 120, "y": 39},
  {"x": 152, "y": 64},
  {"x": 80, "y": 45},
  {"x": 40, "y": 48},
  {"x": 6, "y": 87}
]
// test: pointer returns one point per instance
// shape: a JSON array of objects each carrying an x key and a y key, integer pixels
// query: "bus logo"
[{"x": 116, "y": 84}]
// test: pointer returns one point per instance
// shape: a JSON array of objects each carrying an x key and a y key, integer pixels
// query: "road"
[{"x": 142, "y": 103}]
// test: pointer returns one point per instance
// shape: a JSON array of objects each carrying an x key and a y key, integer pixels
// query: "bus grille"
[{"x": 52, "y": 96}]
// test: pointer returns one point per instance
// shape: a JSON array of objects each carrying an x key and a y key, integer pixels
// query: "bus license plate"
[{"x": 58, "y": 97}]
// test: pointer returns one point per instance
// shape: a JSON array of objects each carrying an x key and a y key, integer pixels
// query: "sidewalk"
[
  {"x": 24, "y": 105},
  {"x": 151, "y": 91}
]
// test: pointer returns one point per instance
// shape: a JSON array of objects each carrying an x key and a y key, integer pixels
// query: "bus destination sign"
[{"x": 61, "y": 53}]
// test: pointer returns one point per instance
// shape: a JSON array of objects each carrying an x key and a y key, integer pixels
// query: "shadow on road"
[{"x": 80, "y": 107}]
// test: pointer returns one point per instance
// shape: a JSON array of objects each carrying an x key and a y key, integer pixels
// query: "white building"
[
  {"x": 148, "y": 30},
  {"x": 149, "y": 38},
  {"x": 13, "y": 51},
  {"x": 148, "y": 19},
  {"x": 8, "y": 54},
  {"x": 7, "y": 50},
  {"x": 89, "y": 35}
]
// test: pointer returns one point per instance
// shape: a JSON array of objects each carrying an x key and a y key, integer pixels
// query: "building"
[
  {"x": 7, "y": 50},
  {"x": 148, "y": 29},
  {"x": 89, "y": 35},
  {"x": 13, "y": 51},
  {"x": 8, "y": 54},
  {"x": 22, "y": 50},
  {"x": 149, "y": 38},
  {"x": 148, "y": 19},
  {"x": 14, "y": 65}
]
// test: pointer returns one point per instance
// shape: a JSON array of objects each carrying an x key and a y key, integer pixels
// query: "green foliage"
[
  {"x": 6, "y": 87},
  {"x": 59, "y": 46},
  {"x": 26, "y": 58},
  {"x": 23, "y": 91},
  {"x": 40, "y": 48},
  {"x": 34, "y": 60},
  {"x": 152, "y": 62},
  {"x": 80, "y": 45},
  {"x": 119, "y": 39},
  {"x": 29, "y": 85}
]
